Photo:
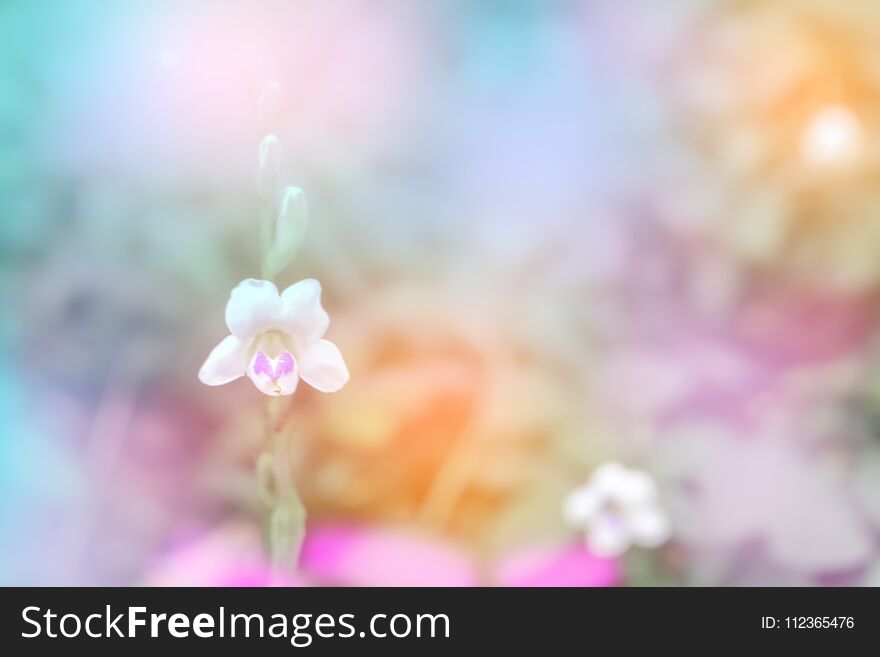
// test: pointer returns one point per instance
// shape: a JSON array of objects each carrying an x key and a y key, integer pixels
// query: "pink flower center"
[{"x": 274, "y": 369}]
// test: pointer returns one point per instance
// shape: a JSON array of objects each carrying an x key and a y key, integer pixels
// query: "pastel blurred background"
[{"x": 551, "y": 234}]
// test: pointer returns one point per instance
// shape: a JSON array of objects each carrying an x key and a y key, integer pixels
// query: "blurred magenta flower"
[
  {"x": 230, "y": 555},
  {"x": 341, "y": 554},
  {"x": 557, "y": 565},
  {"x": 352, "y": 555},
  {"x": 276, "y": 340}
]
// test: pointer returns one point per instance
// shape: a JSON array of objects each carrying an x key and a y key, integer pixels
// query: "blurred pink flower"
[
  {"x": 556, "y": 565},
  {"x": 339, "y": 554},
  {"x": 351, "y": 555},
  {"x": 230, "y": 555}
]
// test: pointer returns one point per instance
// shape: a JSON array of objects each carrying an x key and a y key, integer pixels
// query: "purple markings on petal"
[
  {"x": 261, "y": 365},
  {"x": 284, "y": 365}
]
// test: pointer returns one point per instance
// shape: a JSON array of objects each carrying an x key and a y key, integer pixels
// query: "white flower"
[
  {"x": 276, "y": 340},
  {"x": 617, "y": 508}
]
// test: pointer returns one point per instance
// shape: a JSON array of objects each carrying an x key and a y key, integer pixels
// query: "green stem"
[{"x": 286, "y": 519}]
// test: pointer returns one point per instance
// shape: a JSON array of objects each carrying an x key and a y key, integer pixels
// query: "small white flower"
[
  {"x": 276, "y": 340},
  {"x": 617, "y": 508}
]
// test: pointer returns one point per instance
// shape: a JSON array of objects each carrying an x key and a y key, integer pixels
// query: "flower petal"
[
  {"x": 301, "y": 313},
  {"x": 609, "y": 536},
  {"x": 225, "y": 363},
  {"x": 635, "y": 489},
  {"x": 581, "y": 506},
  {"x": 649, "y": 526},
  {"x": 609, "y": 477},
  {"x": 254, "y": 307},
  {"x": 322, "y": 367}
]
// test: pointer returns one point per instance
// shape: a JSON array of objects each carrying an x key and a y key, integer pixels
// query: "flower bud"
[{"x": 290, "y": 229}]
